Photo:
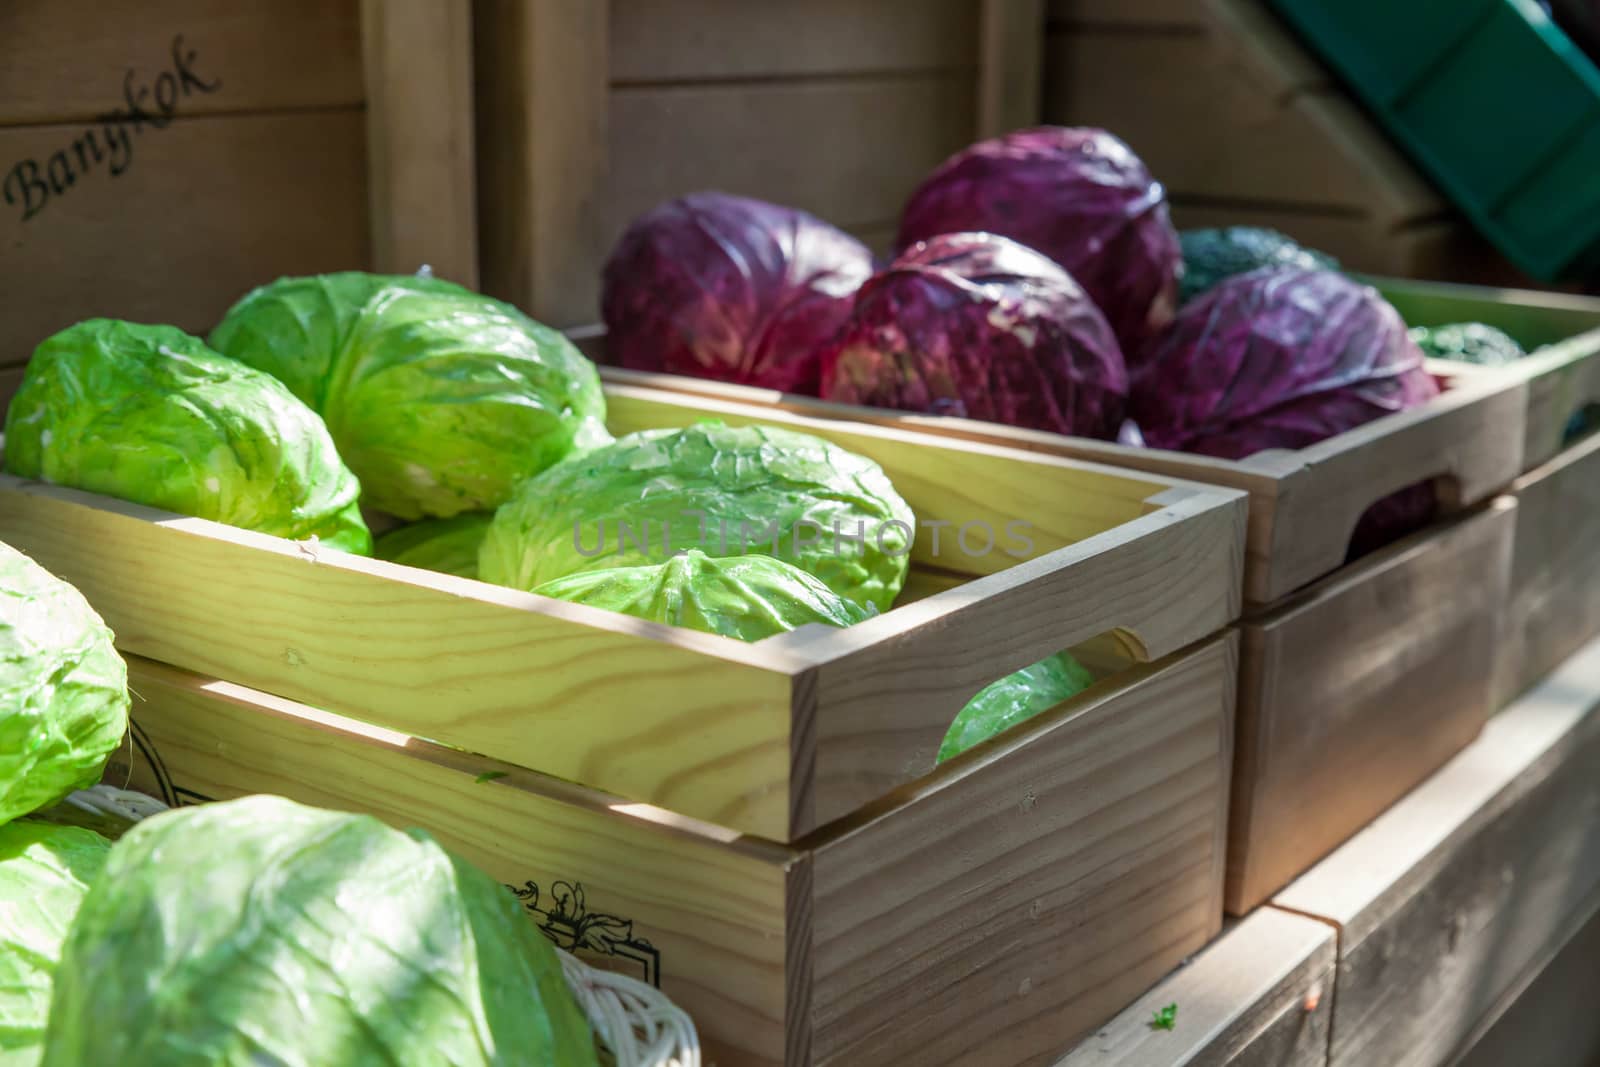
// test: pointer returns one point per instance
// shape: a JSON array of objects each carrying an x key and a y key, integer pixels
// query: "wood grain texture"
[
  {"x": 205, "y": 210},
  {"x": 1071, "y": 862},
  {"x": 1553, "y": 607},
  {"x": 713, "y": 909},
  {"x": 1357, "y": 691},
  {"x": 1009, "y": 93},
  {"x": 542, "y": 126},
  {"x": 1084, "y": 858},
  {"x": 66, "y": 60},
  {"x": 1444, "y": 900},
  {"x": 422, "y": 199},
  {"x": 717, "y": 40},
  {"x": 1551, "y": 1020},
  {"x": 1242, "y": 1002}
]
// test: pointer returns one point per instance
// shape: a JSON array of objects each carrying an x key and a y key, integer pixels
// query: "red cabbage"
[
  {"x": 725, "y": 287},
  {"x": 1082, "y": 198},
  {"x": 978, "y": 326},
  {"x": 1284, "y": 359}
]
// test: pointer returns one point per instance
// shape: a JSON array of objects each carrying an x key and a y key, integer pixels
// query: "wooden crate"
[
  {"x": 591, "y": 114},
  {"x": 1261, "y": 995},
  {"x": 1245, "y": 127},
  {"x": 1304, "y": 504},
  {"x": 1460, "y": 893},
  {"x": 1355, "y": 691},
  {"x": 774, "y": 738},
  {"x": 991, "y": 913},
  {"x": 157, "y": 167}
]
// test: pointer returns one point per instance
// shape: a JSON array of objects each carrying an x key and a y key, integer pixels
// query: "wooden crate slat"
[
  {"x": 1010, "y": 74},
  {"x": 207, "y": 209},
  {"x": 1261, "y": 995},
  {"x": 66, "y": 60},
  {"x": 707, "y": 40},
  {"x": 1357, "y": 691},
  {"x": 1139, "y": 13},
  {"x": 1449, "y": 896},
  {"x": 418, "y": 67},
  {"x": 1561, "y": 381}
]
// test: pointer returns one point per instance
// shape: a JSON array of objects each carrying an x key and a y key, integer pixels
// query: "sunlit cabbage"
[
  {"x": 744, "y": 597},
  {"x": 441, "y": 400},
  {"x": 979, "y": 326},
  {"x": 63, "y": 689},
  {"x": 1080, "y": 196},
  {"x": 449, "y": 546},
  {"x": 259, "y": 931},
  {"x": 1013, "y": 699},
  {"x": 726, "y": 287},
  {"x": 45, "y": 871},
  {"x": 725, "y": 490},
  {"x": 150, "y": 414}
]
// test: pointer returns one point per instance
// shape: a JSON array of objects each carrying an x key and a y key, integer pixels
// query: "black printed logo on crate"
[
  {"x": 30, "y": 184},
  {"x": 566, "y": 920}
]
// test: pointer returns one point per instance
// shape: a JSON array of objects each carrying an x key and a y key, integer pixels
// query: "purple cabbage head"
[
  {"x": 1082, "y": 198},
  {"x": 978, "y": 326},
  {"x": 725, "y": 287},
  {"x": 1284, "y": 359}
]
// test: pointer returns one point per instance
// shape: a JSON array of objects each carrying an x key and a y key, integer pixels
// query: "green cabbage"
[
  {"x": 1468, "y": 342},
  {"x": 150, "y": 414},
  {"x": 259, "y": 931},
  {"x": 1013, "y": 699},
  {"x": 724, "y": 490},
  {"x": 744, "y": 597},
  {"x": 44, "y": 872},
  {"x": 441, "y": 400},
  {"x": 63, "y": 689},
  {"x": 449, "y": 546}
]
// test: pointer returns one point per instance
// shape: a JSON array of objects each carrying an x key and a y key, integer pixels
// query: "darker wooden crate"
[
  {"x": 993, "y": 912},
  {"x": 156, "y": 167},
  {"x": 591, "y": 114}
]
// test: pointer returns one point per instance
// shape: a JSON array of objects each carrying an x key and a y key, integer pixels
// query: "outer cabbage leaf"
[
  {"x": 150, "y": 414},
  {"x": 63, "y": 689},
  {"x": 724, "y": 490},
  {"x": 449, "y": 546},
  {"x": 260, "y": 931},
  {"x": 1015, "y": 698}
]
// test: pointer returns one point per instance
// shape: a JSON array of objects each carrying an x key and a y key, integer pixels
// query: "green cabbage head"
[
  {"x": 727, "y": 491},
  {"x": 150, "y": 414},
  {"x": 441, "y": 400},
  {"x": 63, "y": 689},
  {"x": 449, "y": 546},
  {"x": 1013, "y": 699},
  {"x": 45, "y": 871},
  {"x": 744, "y": 597},
  {"x": 259, "y": 931}
]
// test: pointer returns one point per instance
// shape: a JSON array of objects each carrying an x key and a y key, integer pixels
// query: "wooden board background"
[
  {"x": 588, "y": 118},
  {"x": 330, "y": 139}
]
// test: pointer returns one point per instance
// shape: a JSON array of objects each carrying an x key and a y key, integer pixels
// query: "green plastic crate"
[{"x": 1493, "y": 100}]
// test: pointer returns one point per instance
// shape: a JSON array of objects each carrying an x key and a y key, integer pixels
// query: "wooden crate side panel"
[
  {"x": 203, "y": 211},
  {"x": 1261, "y": 995},
  {"x": 1011, "y": 62},
  {"x": 703, "y": 919},
  {"x": 1554, "y": 604},
  {"x": 72, "y": 61},
  {"x": 1447, "y": 898},
  {"x": 1144, "y": 14},
  {"x": 1561, "y": 381},
  {"x": 459, "y": 662},
  {"x": 1086, "y": 860},
  {"x": 1364, "y": 690},
  {"x": 713, "y": 40}
]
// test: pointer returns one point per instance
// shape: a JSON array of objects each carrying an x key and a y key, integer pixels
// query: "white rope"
[{"x": 634, "y": 1021}]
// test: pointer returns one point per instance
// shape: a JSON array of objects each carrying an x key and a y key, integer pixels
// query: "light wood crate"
[
  {"x": 991, "y": 913},
  {"x": 1452, "y": 902},
  {"x": 590, "y": 114},
  {"x": 1246, "y": 128},
  {"x": 1304, "y": 504},
  {"x": 309, "y": 135},
  {"x": 774, "y": 738}
]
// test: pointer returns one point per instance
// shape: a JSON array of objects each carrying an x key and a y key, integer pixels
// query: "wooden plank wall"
[
  {"x": 589, "y": 118},
  {"x": 155, "y": 168}
]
